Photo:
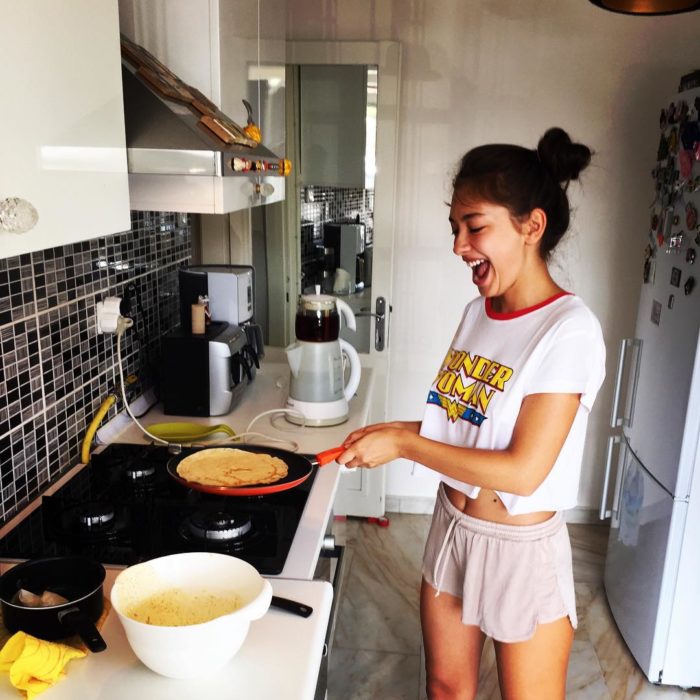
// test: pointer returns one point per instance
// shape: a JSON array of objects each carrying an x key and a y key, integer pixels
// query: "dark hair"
[{"x": 522, "y": 179}]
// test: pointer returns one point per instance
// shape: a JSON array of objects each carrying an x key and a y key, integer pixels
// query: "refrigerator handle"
[
  {"x": 604, "y": 512},
  {"x": 615, "y": 420},
  {"x": 635, "y": 343}
]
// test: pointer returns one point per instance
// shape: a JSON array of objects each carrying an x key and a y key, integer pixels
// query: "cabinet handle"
[{"x": 17, "y": 215}]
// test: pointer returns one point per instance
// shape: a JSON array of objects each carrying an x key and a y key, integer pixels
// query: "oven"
[
  {"x": 123, "y": 508},
  {"x": 330, "y": 567}
]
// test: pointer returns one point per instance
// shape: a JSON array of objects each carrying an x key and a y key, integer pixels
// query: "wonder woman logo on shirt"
[{"x": 466, "y": 384}]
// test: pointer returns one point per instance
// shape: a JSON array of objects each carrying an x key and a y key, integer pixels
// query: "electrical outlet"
[{"x": 107, "y": 315}]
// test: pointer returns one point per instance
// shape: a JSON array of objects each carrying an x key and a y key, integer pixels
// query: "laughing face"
[{"x": 492, "y": 244}]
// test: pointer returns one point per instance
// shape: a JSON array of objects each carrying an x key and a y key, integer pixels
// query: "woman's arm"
[
  {"x": 540, "y": 431},
  {"x": 355, "y": 435}
]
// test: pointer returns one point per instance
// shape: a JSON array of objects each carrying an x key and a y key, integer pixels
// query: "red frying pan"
[{"x": 299, "y": 467}]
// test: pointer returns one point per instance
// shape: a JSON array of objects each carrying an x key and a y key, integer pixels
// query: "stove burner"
[
  {"x": 218, "y": 525},
  {"x": 95, "y": 515},
  {"x": 139, "y": 473}
]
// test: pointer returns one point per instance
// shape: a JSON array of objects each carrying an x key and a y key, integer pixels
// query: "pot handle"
[
  {"x": 355, "y": 368},
  {"x": 75, "y": 621}
]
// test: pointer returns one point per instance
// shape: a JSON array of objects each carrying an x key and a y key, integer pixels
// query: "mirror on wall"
[{"x": 337, "y": 136}]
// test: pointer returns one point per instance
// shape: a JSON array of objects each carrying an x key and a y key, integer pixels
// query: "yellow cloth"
[{"x": 33, "y": 664}]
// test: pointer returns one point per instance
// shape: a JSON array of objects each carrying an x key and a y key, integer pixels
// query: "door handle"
[
  {"x": 604, "y": 512},
  {"x": 380, "y": 323},
  {"x": 615, "y": 419}
]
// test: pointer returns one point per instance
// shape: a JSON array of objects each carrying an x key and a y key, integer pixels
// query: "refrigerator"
[{"x": 652, "y": 475}]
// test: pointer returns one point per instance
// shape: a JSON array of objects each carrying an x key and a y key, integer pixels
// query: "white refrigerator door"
[
  {"x": 665, "y": 420},
  {"x": 641, "y": 563}
]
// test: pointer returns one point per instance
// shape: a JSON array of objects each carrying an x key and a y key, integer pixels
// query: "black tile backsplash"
[{"x": 55, "y": 369}]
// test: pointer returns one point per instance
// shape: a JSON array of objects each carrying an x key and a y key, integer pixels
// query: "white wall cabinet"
[
  {"x": 214, "y": 46},
  {"x": 62, "y": 122},
  {"x": 333, "y": 109}
]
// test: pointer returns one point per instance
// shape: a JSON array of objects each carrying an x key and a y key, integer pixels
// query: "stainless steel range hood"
[{"x": 183, "y": 153}]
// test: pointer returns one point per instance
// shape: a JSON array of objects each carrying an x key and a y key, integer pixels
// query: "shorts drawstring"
[{"x": 439, "y": 575}]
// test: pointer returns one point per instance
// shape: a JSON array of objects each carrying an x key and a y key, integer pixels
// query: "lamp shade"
[{"x": 648, "y": 7}]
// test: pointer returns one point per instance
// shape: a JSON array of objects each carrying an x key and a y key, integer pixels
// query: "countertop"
[
  {"x": 279, "y": 658},
  {"x": 281, "y": 655}
]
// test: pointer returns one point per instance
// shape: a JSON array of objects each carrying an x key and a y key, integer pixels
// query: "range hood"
[{"x": 183, "y": 153}]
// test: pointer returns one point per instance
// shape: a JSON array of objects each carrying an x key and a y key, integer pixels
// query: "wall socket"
[{"x": 107, "y": 315}]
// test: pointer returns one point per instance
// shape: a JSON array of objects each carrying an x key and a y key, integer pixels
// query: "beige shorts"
[{"x": 510, "y": 577}]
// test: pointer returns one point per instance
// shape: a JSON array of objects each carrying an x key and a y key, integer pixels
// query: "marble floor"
[{"x": 377, "y": 653}]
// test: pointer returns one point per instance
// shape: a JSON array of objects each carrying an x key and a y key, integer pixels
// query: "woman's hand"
[{"x": 377, "y": 445}]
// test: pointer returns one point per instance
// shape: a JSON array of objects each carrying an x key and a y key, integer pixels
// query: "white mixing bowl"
[{"x": 193, "y": 650}]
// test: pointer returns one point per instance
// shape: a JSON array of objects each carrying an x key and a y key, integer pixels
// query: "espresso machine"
[
  {"x": 206, "y": 369},
  {"x": 317, "y": 387},
  {"x": 347, "y": 240}
]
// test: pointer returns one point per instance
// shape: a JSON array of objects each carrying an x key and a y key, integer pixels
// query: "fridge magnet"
[
  {"x": 675, "y": 243},
  {"x": 696, "y": 150},
  {"x": 673, "y": 140},
  {"x": 683, "y": 112},
  {"x": 691, "y": 215},
  {"x": 690, "y": 256},
  {"x": 685, "y": 164},
  {"x": 690, "y": 135},
  {"x": 675, "y": 277},
  {"x": 689, "y": 285},
  {"x": 656, "y": 312},
  {"x": 648, "y": 261},
  {"x": 662, "y": 152},
  {"x": 671, "y": 300},
  {"x": 662, "y": 119},
  {"x": 671, "y": 113}
]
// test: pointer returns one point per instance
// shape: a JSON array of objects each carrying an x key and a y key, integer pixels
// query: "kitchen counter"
[
  {"x": 281, "y": 655},
  {"x": 267, "y": 392},
  {"x": 279, "y": 658}
]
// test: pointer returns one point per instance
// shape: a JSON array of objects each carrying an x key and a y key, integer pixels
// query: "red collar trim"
[{"x": 505, "y": 316}]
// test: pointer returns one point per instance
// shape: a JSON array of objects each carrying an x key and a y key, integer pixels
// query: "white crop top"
[{"x": 494, "y": 362}]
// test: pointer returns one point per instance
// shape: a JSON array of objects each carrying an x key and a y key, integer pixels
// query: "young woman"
[{"x": 504, "y": 425}]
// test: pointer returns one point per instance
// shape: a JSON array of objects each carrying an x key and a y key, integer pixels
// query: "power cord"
[{"x": 124, "y": 323}]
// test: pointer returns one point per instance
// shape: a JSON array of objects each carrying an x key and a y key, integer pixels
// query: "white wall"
[{"x": 505, "y": 70}]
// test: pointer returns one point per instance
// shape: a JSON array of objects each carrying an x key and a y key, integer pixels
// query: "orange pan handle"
[{"x": 329, "y": 455}]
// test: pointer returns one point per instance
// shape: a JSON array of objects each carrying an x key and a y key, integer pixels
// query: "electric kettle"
[{"x": 317, "y": 387}]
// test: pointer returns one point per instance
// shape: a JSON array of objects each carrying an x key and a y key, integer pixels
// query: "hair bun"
[{"x": 563, "y": 158}]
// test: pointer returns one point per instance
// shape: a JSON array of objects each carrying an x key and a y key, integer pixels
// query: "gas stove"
[{"x": 124, "y": 508}]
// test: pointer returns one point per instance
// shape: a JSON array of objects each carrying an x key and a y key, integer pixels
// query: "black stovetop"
[{"x": 124, "y": 508}]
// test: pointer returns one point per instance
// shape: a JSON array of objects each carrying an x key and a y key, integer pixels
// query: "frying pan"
[
  {"x": 300, "y": 467},
  {"x": 78, "y": 579}
]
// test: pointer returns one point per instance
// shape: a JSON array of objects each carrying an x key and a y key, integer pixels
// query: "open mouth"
[{"x": 480, "y": 270}]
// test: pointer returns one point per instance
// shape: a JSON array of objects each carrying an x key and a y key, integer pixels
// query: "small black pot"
[{"x": 78, "y": 579}]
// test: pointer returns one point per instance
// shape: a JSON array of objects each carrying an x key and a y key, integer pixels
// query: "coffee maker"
[
  {"x": 205, "y": 370},
  {"x": 347, "y": 240},
  {"x": 317, "y": 387}
]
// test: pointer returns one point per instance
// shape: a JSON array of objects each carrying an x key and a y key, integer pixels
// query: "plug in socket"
[{"x": 107, "y": 315}]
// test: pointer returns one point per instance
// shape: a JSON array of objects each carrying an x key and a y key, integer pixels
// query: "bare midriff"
[{"x": 488, "y": 506}]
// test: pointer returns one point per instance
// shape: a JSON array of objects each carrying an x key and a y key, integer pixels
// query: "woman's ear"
[{"x": 534, "y": 227}]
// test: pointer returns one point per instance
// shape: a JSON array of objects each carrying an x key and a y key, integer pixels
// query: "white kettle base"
[{"x": 317, "y": 413}]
